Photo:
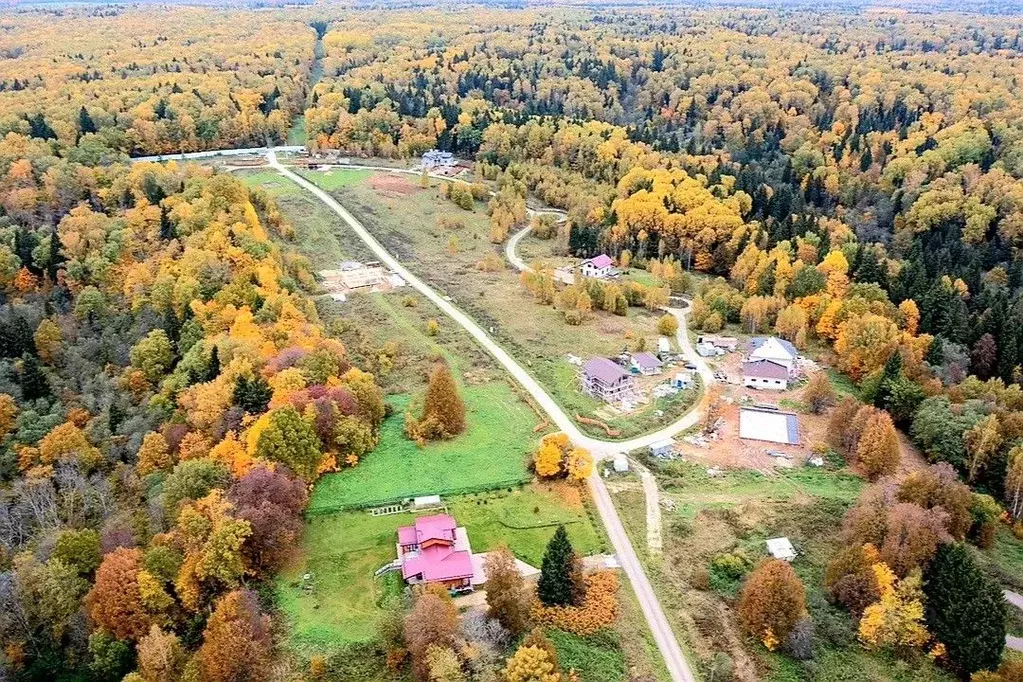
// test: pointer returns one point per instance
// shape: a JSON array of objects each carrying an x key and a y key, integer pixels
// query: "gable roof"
[
  {"x": 765, "y": 369},
  {"x": 601, "y": 261},
  {"x": 757, "y": 341},
  {"x": 436, "y": 527},
  {"x": 646, "y": 360},
  {"x": 604, "y": 370}
]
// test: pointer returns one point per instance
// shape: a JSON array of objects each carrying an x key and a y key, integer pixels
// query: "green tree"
[
  {"x": 252, "y": 395},
  {"x": 153, "y": 355},
  {"x": 109, "y": 658},
  {"x": 556, "y": 586},
  {"x": 964, "y": 610},
  {"x": 292, "y": 441},
  {"x": 78, "y": 549}
]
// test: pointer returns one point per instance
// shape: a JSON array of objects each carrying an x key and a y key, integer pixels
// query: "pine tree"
[
  {"x": 213, "y": 369},
  {"x": 443, "y": 403},
  {"x": 85, "y": 122},
  {"x": 556, "y": 585},
  {"x": 252, "y": 395},
  {"x": 34, "y": 384},
  {"x": 964, "y": 610}
]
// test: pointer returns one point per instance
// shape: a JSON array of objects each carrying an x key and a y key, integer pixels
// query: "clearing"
[{"x": 444, "y": 245}]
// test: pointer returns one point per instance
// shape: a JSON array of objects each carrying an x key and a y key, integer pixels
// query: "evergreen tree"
[
  {"x": 34, "y": 384},
  {"x": 213, "y": 368},
  {"x": 556, "y": 585},
  {"x": 166, "y": 226},
  {"x": 56, "y": 258},
  {"x": 85, "y": 122},
  {"x": 964, "y": 610},
  {"x": 252, "y": 395}
]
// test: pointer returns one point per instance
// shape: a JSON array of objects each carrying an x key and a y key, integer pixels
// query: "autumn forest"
[{"x": 848, "y": 180}]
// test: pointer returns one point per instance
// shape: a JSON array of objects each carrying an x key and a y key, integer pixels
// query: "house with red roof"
[
  {"x": 435, "y": 549},
  {"x": 600, "y": 267}
]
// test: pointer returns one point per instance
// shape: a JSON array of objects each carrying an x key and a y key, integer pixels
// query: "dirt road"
[{"x": 676, "y": 663}]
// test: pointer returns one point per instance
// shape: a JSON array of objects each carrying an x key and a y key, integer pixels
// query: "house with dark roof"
[
  {"x": 768, "y": 374},
  {"x": 646, "y": 364},
  {"x": 600, "y": 267},
  {"x": 606, "y": 380},
  {"x": 774, "y": 349},
  {"x": 435, "y": 549}
]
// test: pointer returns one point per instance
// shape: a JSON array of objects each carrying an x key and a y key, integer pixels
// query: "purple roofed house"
[
  {"x": 606, "y": 380},
  {"x": 646, "y": 364},
  {"x": 600, "y": 267},
  {"x": 769, "y": 374}
]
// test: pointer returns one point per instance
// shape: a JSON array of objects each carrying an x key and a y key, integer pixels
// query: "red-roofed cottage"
[
  {"x": 436, "y": 550},
  {"x": 598, "y": 268}
]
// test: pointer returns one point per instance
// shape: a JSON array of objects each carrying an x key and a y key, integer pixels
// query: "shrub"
[{"x": 598, "y": 610}]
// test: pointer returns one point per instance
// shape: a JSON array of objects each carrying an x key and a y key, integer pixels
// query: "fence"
[{"x": 448, "y": 492}]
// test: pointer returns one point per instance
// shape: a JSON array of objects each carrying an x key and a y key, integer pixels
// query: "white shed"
[
  {"x": 781, "y": 548},
  {"x": 621, "y": 463},
  {"x": 663, "y": 345},
  {"x": 426, "y": 502}
]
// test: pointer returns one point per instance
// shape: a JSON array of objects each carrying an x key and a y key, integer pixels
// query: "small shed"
[
  {"x": 621, "y": 463},
  {"x": 426, "y": 502},
  {"x": 683, "y": 380},
  {"x": 663, "y": 345},
  {"x": 646, "y": 363},
  {"x": 781, "y": 548},
  {"x": 663, "y": 448}
]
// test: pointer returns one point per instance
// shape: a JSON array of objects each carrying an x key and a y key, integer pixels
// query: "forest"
[{"x": 851, "y": 180}]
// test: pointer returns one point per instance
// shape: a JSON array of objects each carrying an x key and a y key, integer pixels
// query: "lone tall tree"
[
  {"x": 443, "y": 403},
  {"x": 506, "y": 591},
  {"x": 964, "y": 610},
  {"x": 557, "y": 585}
]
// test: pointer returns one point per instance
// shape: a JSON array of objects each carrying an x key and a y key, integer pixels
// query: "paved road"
[
  {"x": 676, "y": 663},
  {"x": 1015, "y": 599}
]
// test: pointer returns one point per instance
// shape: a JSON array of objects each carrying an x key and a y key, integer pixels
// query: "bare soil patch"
[{"x": 394, "y": 185}]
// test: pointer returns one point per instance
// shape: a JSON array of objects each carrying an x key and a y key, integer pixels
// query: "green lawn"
[
  {"x": 341, "y": 551},
  {"x": 336, "y": 178},
  {"x": 297, "y": 135},
  {"x": 491, "y": 453}
]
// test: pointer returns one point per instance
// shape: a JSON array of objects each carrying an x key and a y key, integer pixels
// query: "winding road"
[{"x": 675, "y": 661}]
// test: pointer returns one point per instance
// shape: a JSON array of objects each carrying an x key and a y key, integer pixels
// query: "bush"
[{"x": 598, "y": 610}]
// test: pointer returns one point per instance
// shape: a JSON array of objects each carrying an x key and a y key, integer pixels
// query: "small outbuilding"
[
  {"x": 621, "y": 463},
  {"x": 646, "y": 364},
  {"x": 683, "y": 380},
  {"x": 781, "y": 548},
  {"x": 664, "y": 448},
  {"x": 663, "y": 345}
]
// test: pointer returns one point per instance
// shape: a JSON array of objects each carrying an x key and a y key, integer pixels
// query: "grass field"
[
  {"x": 341, "y": 551},
  {"x": 492, "y": 452},
  {"x": 734, "y": 514},
  {"x": 408, "y": 223}
]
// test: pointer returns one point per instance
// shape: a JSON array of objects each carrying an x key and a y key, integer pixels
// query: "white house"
[
  {"x": 766, "y": 374},
  {"x": 600, "y": 267},
  {"x": 774, "y": 349}
]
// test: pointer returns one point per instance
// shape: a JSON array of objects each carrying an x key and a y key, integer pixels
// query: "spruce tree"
[
  {"x": 556, "y": 586},
  {"x": 964, "y": 610},
  {"x": 213, "y": 369},
  {"x": 252, "y": 395},
  {"x": 34, "y": 384}
]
